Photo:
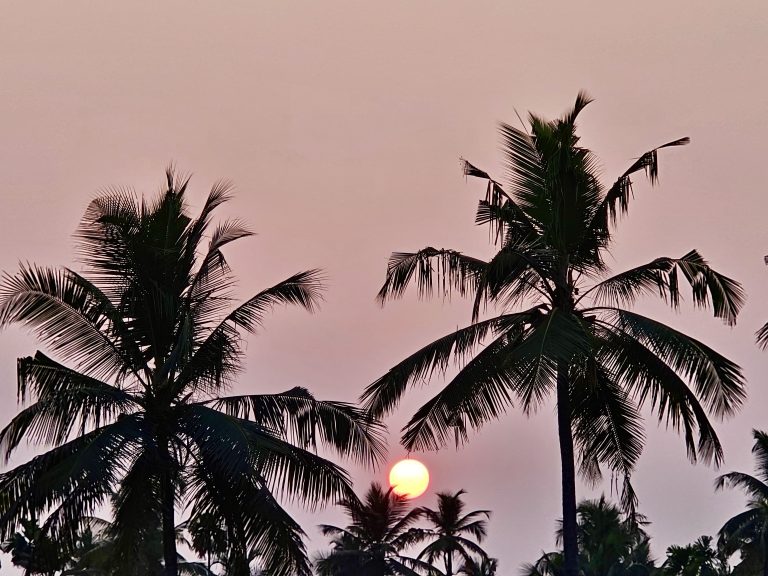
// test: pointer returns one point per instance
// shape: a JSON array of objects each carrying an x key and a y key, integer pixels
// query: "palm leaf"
[
  {"x": 304, "y": 420},
  {"x": 381, "y": 396},
  {"x": 66, "y": 401},
  {"x": 449, "y": 269}
]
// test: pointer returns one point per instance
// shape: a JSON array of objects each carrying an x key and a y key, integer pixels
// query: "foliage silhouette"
[
  {"x": 565, "y": 327},
  {"x": 381, "y": 528},
  {"x": 747, "y": 532},
  {"x": 454, "y": 532},
  {"x": 609, "y": 543},
  {"x": 144, "y": 342}
]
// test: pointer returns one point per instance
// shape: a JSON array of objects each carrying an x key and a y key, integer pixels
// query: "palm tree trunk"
[
  {"x": 449, "y": 564},
  {"x": 167, "y": 503},
  {"x": 765, "y": 554},
  {"x": 565, "y": 433}
]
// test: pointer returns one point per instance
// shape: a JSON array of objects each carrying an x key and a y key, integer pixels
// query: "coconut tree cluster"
[
  {"x": 384, "y": 527},
  {"x": 145, "y": 456}
]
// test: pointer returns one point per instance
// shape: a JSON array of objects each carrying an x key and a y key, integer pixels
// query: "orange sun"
[{"x": 409, "y": 478}]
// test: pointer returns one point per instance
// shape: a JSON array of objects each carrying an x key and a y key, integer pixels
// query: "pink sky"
[{"x": 341, "y": 123}]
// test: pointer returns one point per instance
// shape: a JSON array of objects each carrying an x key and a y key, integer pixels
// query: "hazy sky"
[{"x": 342, "y": 123}]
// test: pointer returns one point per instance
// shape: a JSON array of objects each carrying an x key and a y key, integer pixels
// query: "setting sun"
[{"x": 409, "y": 478}]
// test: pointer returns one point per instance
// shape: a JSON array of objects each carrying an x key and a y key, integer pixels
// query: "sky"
[{"x": 341, "y": 125}]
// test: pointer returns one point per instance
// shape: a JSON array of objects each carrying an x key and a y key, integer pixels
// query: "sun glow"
[{"x": 409, "y": 478}]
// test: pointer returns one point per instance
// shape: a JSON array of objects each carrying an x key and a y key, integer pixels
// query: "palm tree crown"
[
  {"x": 381, "y": 528},
  {"x": 454, "y": 531},
  {"x": 565, "y": 327},
  {"x": 143, "y": 343},
  {"x": 610, "y": 543},
  {"x": 700, "y": 558},
  {"x": 747, "y": 532}
]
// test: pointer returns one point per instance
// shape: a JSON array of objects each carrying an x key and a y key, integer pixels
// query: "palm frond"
[
  {"x": 650, "y": 373},
  {"x": 65, "y": 401},
  {"x": 71, "y": 317},
  {"x": 344, "y": 427},
  {"x": 716, "y": 380},
  {"x": 74, "y": 478},
  {"x": 616, "y": 200},
  {"x": 240, "y": 448},
  {"x": 661, "y": 276},
  {"x": 381, "y": 396},
  {"x": 607, "y": 426},
  {"x": 448, "y": 269},
  {"x": 754, "y": 487}
]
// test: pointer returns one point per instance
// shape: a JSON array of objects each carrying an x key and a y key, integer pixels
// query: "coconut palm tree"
[
  {"x": 610, "y": 544},
  {"x": 479, "y": 567},
  {"x": 747, "y": 532},
  {"x": 33, "y": 550},
  {"x": 98, "y": 553},
  {"x": 381, "y": 528},
  {"x": 454, "y": 531},
  {"x": 700, "y": 558},
  {"x": 565, "y": 328},
  {"x": 128, "y": 397}
]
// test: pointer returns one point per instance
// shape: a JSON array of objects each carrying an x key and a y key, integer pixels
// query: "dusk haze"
[{"x": 256, "y": 254}]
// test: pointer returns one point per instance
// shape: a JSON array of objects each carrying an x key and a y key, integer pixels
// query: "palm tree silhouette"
[
  {"x": 565, "y": 328},
  {"x": 747, "y": 532},
  {"x": 700, "y": 558},
  {"x": 610, "y": 543},
  {"x": 453, "y": 531},
  {"x": 381, "y": 529},
  {"x": 144, "y": 344}
]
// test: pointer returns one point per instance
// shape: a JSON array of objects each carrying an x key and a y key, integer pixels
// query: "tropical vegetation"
[
  {"x": 128, "y": 400},
  {"x": 381, "y": 528},
  {"x": 565, "y": 327},
  {"x": 609, "y": 541},
  {"x": 455, "y": 534},
  {"x": 747, "y": 532}
]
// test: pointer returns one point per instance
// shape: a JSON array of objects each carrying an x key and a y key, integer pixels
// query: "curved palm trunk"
[{"x": 565, "y": 434}]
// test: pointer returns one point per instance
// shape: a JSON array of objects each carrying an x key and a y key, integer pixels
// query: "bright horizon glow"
[{"x": 409, "y": 478}]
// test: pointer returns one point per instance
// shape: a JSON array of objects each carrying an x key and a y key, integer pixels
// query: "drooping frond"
[
  {"x": 754, "y": 487},
  {"x": 240, "y": 448},
  {"x": 607, "y": 428},
  {"x": 381, "y": 396},
  {"x": 448, "y": 269},
  {"x": 75, "y": 478},
  {"x": 302, "y": 419},
  {"x": 65, "y": 401},
  {"x": 616, "y": 200},
  {"x": 480, "y": 392},
  {"x": 256, "y": 523},
  {"x": 72, "y": 318},
  {"x": 651, "y": 374},
  {"x": 661, "y": 277},
  {"x": 716, "y": 380}
]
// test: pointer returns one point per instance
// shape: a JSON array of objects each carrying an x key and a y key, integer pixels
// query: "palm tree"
[
  {"x": 747, "y": 532},
  {"x": 33, "y": 550},
  {"x": 479, "y": 567},
  {"x": 565, "y": 328},
  {"x": 143, "y": 344},
  {"x": 380, "y": 530},
  {"x": 98, "y": 553},
  {"x": 453, "y": 531},
  {"x": 700, "y": 558},
  {"x": 610, "y": 544},
  {"x": 208, "y": 538}
]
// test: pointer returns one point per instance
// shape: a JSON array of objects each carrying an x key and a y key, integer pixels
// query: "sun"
[{"x": 409, "y": 478}]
